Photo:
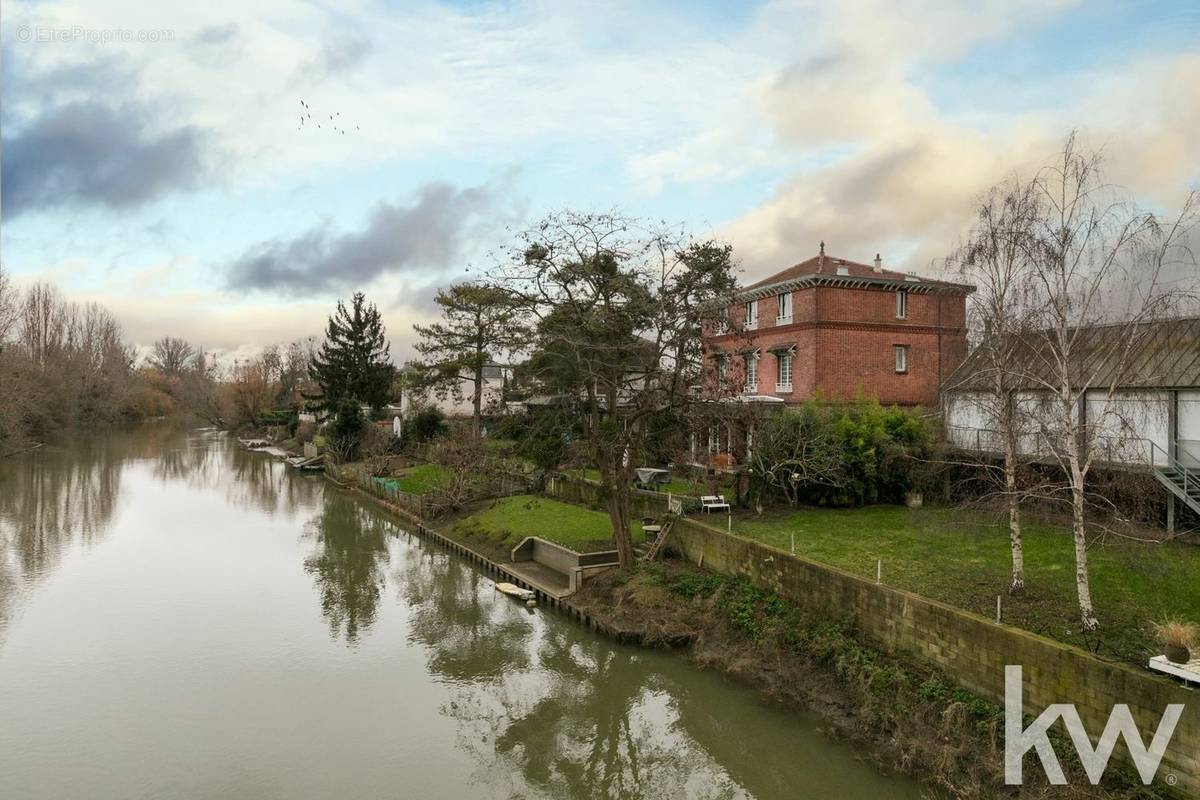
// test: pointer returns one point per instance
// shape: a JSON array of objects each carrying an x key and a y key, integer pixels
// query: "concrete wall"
[{"x": 971, "y": 649}]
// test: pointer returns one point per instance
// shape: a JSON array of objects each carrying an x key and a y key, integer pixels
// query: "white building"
[
  {"x": 457, "y": 400},
  {"x": 1148, "y": 417}
]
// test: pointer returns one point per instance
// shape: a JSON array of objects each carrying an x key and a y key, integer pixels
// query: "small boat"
[
  {"x": 302, "y": 462},
  {"x": 512, "y": 590}
]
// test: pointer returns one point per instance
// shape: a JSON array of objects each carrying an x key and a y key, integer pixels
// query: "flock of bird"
[{"x": 306, "y": 119}]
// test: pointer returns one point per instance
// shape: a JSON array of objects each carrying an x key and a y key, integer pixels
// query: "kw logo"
[{"x": 1018, "y": 740}]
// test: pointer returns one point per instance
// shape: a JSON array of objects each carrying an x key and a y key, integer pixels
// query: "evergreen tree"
[
  {"x": 352, "y": 364},
  {"x": 478, "y": 323}
]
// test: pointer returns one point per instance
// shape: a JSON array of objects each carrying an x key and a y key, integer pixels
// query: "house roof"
[
  {"x": 827, "y": 270},
  {"x": 1162, "y": 354}
]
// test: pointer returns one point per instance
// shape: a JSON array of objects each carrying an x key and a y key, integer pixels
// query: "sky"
[{"x": 165, "y": 159}]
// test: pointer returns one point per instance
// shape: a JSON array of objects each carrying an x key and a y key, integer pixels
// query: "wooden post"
[
  {"x": 793, "y": 543},
  {"x": 997, "y": 609},
  {"x": 1170, "y": 512},
  {"x": 879, "y": 571}
]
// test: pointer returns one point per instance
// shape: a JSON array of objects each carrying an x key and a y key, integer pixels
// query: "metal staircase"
[{"x": 1181, "y": 481}]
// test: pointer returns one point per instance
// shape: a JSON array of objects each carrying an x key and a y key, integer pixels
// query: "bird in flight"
[{"x": 306, "y": 116}]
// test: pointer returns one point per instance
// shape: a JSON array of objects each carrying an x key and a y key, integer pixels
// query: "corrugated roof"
[{"x": 1161, "y": 354}]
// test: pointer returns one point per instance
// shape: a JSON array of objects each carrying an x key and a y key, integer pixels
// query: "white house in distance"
[
  {"x": 1154, "y": 416},
  {"x": 457, "y": 401}
]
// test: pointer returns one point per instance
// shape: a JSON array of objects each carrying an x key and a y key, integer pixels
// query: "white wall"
[
  {"x": 1188, "y": 423},
  {"x": 1128, "y": 419},
  {"x": 1125, "y": 423}
]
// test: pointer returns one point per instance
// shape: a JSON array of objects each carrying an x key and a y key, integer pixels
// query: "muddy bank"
[{"x": 910, "y": 719}]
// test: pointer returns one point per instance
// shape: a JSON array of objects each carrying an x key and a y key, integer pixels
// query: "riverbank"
[{"x": 913, "y": 720}]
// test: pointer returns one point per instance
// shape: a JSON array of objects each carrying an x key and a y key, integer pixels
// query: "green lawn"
[
  {"x": 963, "y": 558},
  {"x": 511, "y": 519},
  {"x": 422, "y": 479}
]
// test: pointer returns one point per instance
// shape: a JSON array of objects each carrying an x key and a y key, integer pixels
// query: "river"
[{"x": 183, "y": 619}]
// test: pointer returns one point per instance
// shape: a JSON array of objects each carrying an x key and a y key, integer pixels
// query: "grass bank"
[
  {"x": 963, "y": 558},
  {"x": 914, "y": 720},
  {"x": 505, "y": 522}
]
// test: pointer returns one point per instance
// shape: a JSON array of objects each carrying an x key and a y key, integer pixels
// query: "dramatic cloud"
[
  {"x": 430, "y": 234},
  {"x": 85, "y": 153}
]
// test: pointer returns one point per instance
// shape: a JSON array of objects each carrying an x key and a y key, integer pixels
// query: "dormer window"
[
  {"x": 785, "y": 309},
  {"x": 902, "y": 304}
]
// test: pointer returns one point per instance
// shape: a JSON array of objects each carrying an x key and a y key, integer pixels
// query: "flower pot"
[{"x": 1177, "y": 654}]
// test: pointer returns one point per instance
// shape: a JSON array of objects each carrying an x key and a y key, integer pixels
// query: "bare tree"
[
  {"x": 9, "y": 306},
  {"x": 793, "y": 450},
  {"x": 1096, "y": 264},
  {"x": 43, "y": 323},
  {"x": 997, "y": 259},
  {"x": 172, "y": 356}
]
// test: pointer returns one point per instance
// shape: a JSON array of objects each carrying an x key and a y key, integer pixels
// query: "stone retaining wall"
[{"x": 969, "y": 648}]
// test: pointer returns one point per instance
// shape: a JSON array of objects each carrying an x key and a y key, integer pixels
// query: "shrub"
[
  {"x": 848, "y": 454},
  {"x": 428, "y": 423}
]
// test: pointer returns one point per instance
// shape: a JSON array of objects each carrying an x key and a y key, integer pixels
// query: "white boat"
[{"x": 512, "y": 590}]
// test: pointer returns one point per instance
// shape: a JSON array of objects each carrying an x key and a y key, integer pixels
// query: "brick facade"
[{"x": 843, "y": 333}]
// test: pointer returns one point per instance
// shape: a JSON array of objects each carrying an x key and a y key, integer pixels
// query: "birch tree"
[
  {"x": 1097, "y": 264},
  {"x": 996, "y": 259}
]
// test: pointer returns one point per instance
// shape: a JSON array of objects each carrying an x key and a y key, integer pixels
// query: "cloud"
[
  {"x": 337, "y": 55},
  {"x": 430, "y": 234},
  {"x": 901, "y": 173},
  {"x": 84, "y": 153}
]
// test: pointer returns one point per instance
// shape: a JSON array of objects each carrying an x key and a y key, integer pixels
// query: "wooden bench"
[{"x": 713, "y": 502}]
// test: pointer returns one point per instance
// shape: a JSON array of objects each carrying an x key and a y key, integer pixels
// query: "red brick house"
[{"x": 840, "y": 329}]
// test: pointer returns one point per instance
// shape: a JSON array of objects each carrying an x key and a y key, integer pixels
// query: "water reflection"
[
  {"x": 468, "y": 632},
  {"x": 547, "y": 707},
  {"x": 447, "y": 690},
  {"x": 349, "y": 563},
  {"x": 51, "y": 501}
]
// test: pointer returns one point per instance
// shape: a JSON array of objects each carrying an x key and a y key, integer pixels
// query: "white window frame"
[
  {"x": 751, "y": 373},
  {"x": 900, "y": 354},
  {"x": 902, "y": 304},
  {"x": 722, "y": 370},
  {"x": 784, "y": 315},
  {"x": 751, "y": 314},
  {"x": 783, "y": 359}
]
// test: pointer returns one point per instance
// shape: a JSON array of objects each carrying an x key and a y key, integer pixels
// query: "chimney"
[
  {"x": 821, "y": 258},
  {"x": 878, "y": 263}
]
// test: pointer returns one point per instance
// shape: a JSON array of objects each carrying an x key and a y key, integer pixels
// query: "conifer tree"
[{"x": 352, "y": 364}]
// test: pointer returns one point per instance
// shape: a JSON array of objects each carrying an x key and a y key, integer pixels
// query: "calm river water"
[{"x": 182, "y": 619}]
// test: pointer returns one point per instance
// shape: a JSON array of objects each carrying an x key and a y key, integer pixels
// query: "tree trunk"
[
  {"x": 1086, "y": 613},
  {"x": 616, "y": 500},
  {"x": 1014, "y": 513},
  {"x": 477, "y": 402},
  {"x": 618, "y": 514}
]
